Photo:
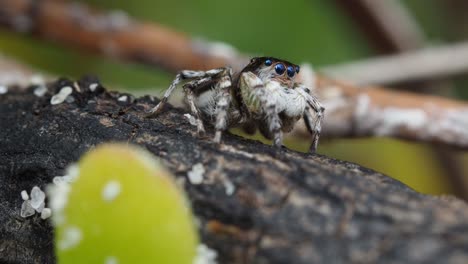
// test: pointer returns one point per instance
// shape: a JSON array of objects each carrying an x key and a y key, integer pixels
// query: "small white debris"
[
  {"x": 72, "y": 173},
  {"x": 24, "y": 195},
  {"x": 191, "y": 119},
  {"x": 195, "y": 175},
  {"x": 40, "y": 208},
  {"x": 71, "y": 237},
  {"x": 93, "y": 87},
  {"x": 37, "y": 197},
  {"x": 40, "y": 91},
  {"x": 3, "y": 89},
  {"x": 70, "y": 99},
  {"x": 58, "y": 199},
  {"x": 26, "y": 209},
  {"x": 205, "y": 255},
  {"x": 61, "y": 96},
  {"x": 111, "y": 260},
  {"x": 123, "y": 98},
  {"x": 229, "y": 187},
  {"x": 46, "y": 213},
  {"x": 58, "y": 180},
  {"x": 111, "y": 190}
]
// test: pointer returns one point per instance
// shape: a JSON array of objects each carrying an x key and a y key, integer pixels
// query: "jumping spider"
[{"x": 263, "y": 95}]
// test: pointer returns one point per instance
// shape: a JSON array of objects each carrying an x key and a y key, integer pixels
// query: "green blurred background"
[{"x": 316, "y": 31}]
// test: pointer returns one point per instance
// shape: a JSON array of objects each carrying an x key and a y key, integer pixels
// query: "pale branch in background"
[
  {"x": 113, "y": 34},
  {"x": 424, "y": 64}
]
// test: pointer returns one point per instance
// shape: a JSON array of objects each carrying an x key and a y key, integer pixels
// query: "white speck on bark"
[
  {"x": 26, "y": 209},
  {"x": 46, "y": 213},
  {"x": 24, "y": 195},
  {"x": 205, "y": 255},
  {"x": 37, "y": 198},
  {"x": 191, "y": 119},
  {"x": 228, "y": 186},
  {"x": 195, "y": 175},
  {"x": 93, "y": 86},
  {"x": 61, "y": 96},
  {"x": 40, "y": 91}
]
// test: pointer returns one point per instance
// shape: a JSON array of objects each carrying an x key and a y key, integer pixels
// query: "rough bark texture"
[{"x": 287, "y": 207}]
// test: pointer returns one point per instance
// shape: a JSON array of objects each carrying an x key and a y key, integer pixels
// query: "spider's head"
[{"x": 272, "y": 69}]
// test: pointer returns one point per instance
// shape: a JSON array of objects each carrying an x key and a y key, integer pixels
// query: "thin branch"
[
  {"x": 424, "y": 64},
  {"x": 351, "y": 111},
  {"x": 388, "y": 24}
]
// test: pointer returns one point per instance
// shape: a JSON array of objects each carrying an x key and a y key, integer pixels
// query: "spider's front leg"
[
  {"x": 314, "y": 109},
  {"x": 258, "y": 100},
  {"x": 222, "y": 104}
]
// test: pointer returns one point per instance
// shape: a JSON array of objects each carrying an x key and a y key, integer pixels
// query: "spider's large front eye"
[
  {"x": 279, "y": 68},
  {"x": 268, "y": 62},
  {"x": 291, "y": 71}
]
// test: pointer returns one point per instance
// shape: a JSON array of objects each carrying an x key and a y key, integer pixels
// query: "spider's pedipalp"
[{"x": 264, "y": 106}]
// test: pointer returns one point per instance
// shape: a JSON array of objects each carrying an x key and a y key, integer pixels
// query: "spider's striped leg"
[
  {"x": 180, "y": 77},
  {"x": 194, "y": 109},
  {"x": 222, "y": 104},
  {"x": 314, "y": 125},
  {"x": 274, "y": 122}
]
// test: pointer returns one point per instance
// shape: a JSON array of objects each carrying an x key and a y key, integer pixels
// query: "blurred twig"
[
  {"x": 351, "y": 111},
  {"x": 387, "y": 24},
  {"x": 428, "y": 63}
]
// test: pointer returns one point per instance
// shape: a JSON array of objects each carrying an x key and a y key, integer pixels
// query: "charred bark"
[{"x": 286, "y": 207}]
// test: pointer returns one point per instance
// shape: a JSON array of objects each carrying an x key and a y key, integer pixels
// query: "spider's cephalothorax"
[{"x": 263, "y": 95}]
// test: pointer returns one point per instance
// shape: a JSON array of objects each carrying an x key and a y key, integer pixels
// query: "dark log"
[{"x": 287, "y": 207}]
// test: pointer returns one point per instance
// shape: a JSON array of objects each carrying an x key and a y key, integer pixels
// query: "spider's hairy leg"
[
  {"x": 257, "y": 99},
  {"x": 180, "y": 77},
  {"x": 271, "y": 112},
  {"x": 222, "y": 104},
  {"x": 314, "y": 125},
  {"x": 195, "y": 111}
]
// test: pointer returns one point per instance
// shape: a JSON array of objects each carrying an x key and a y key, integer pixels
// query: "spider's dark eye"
[
  {"x": 268, "y": 62},
  {"x": 291, "y": 71},
  {"x": 298, "y": 69},
  {"x": 279, "y": 68}
]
